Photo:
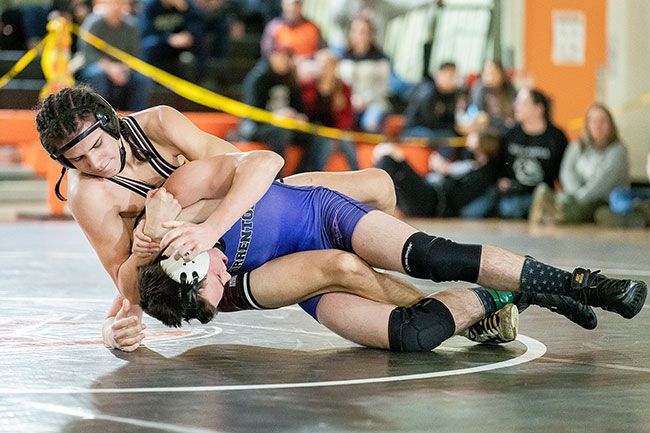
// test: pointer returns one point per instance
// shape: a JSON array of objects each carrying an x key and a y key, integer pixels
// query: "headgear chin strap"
[
  {"x": 106, "y": 119},
  {"x": 189, "y": 275}
]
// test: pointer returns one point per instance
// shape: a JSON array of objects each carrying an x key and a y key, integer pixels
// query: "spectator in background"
[
  {"x": 169, "y": 28},
  {"x": 292, "y": 30},
  {"x": 273, "y": 86},
  {"x": 327, "y": 102},
  {"x": 432, "y": 110},
  {"x": 366, "y": 70},
  {"x": 378, "y": 12},
  {"x": 33, "y": 14},
  {"x": 493, "y": 94},
  {"x": 124, "y": 88},
  {"x": 451, "y": 189},
  {"x": 217, "y": 18},
  {"x": 531, "y": 153},
  {"x": 592, "y": 166},
  {"x": 12, "y": 30},
  {"x": 628, "y": 207}
]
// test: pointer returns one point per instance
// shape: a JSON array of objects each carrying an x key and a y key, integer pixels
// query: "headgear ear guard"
[
  {"x": 189, "y": 275},
  {"x": 106, "y": 119}
]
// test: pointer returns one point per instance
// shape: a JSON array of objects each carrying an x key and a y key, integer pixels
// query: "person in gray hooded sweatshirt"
[{"x": 592, "y": 166}]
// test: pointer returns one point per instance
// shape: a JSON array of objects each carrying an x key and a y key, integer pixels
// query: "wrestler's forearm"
[
  {"x": 252, "y": 178},
  {"x": 127, "y": 277}
]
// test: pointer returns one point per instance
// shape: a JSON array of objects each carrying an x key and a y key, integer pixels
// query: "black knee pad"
[
  {"x": 426, "y": 256},
  {"x": 421, "y": 327}
]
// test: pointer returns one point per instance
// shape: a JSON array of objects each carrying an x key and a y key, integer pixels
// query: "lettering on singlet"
[{"x": 245, "y": 235}]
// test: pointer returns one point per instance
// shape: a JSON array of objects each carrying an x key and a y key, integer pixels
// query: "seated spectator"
[
  {"x": 292, "y": 30},
  {"x": 327, "y": 102},
  {"x": 431, "y": 112},
  {"x": 123, "y": 88},
  {"x": 33, "y": 14},
  {"x": 170, "y": 28},
  {"x": 591, "y": 168},
  {"x": 628, "y": 207},
  {"x": 493, "y": 94},
  {"x": 12, "y": 30},
  {"x": 217, "y": 16},
  {"x": 272, "y": 85},
  {"x": 366, "y": 70},
  {"x": 75, "y": 11},
  {"x": 452, "y": 189},
  {"x": 531, "y": 153},
  {"x": 379, "y": 12}
]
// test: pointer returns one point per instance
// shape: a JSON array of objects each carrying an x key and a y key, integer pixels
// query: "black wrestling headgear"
[{"x": 106, "y": 119}]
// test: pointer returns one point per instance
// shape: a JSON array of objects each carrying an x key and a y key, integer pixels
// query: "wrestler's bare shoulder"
[
  {"x": 87, "y": 193},
  {"x": 154, "y": 121}
]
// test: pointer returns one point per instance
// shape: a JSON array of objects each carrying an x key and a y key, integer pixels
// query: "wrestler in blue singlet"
[
  {"x": 287, "y": 219},
  {"x": 290, "y": 219}
]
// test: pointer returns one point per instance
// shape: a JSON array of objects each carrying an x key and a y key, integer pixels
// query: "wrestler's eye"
[{"x": 77, "y": 159}]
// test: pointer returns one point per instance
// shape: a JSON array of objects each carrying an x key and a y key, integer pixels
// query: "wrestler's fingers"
[
  {"x": 130, "y": 341},
  {"x": 170, "y": 237},
  {"x": 173, "y": 224},
  {"x": 124, "y": 323},
  {"x": 130, "y": 348},
  {"x": 142, "y": 237},
  {"x": 177, "y": 249},
  {"x": 127, "y": 333}
]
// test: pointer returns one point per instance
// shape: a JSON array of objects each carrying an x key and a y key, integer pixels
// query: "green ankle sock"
[
  {"x": 493, "y": 300},
  {"x": 501, "y": 298}
]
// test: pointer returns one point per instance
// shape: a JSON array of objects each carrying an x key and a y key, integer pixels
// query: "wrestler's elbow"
[{"x": 265, "y": 161}]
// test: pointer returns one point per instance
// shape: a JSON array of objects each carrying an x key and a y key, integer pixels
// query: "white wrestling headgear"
[{"x": 176, "y": 268}]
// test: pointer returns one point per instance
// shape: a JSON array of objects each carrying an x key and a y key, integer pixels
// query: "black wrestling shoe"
[
  {"x": 625, "y": 297},
  {"x": 580, "y": 314}
]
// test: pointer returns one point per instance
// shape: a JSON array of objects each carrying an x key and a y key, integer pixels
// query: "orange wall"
[{"x": 572, "y": 88}]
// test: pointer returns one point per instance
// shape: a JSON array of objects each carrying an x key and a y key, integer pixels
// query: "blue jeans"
[
  {"x": 372, "y": 119},
  {"x": 622, "y": 200},
  {"x": 34, "y": 21},
  {"x": 480, "y": 207},
  {"x": 133, "y": 96},
  {"x": 515, "y": 206}
]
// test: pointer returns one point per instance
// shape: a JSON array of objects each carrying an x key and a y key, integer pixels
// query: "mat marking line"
[{"x": 534, "y": 350}]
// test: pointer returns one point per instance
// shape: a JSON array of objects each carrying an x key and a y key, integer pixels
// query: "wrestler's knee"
[
  {"x": 347, "y": 266},
  {"x": 383, "y": 184}
]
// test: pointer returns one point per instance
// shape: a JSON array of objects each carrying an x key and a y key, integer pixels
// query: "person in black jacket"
[
  {"x": 531, "y": 153},
  {"x": 431, "y": 112},
  {"x": 451, "y": 189},
  {"x": 272, "y": 85},
  {"x": 169, "y": 28}
]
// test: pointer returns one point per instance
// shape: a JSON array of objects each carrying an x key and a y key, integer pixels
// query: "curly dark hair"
[
  {"x": 163, "y": 298},
  {"x": 59, "y": 117}
]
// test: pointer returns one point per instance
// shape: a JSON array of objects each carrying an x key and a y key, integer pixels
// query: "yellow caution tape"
[{"x": 211, "y": 99}]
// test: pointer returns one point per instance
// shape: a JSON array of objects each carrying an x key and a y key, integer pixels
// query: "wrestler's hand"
[
  {"x": 143, "y": 246},
  {"x": 125, "y": 331},
  {"x": 161, "y": 206},
  {"x": 186, "y": 240}
]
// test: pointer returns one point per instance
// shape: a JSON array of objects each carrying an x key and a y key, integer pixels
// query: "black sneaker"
[
  {"x": 580, "y": 314},
  {"x": 625, "y": 297}
]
